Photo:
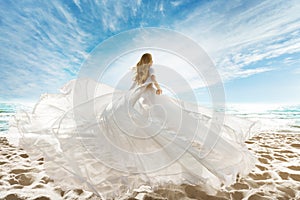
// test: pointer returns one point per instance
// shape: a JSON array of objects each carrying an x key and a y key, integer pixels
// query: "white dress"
[{"x": 110, "y": 141}]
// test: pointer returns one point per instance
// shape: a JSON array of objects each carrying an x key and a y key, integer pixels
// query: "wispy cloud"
[
  {"x": 297, "y": 71},
  {"x": 176, "y": 3},
  {"x": 239, "y": 34},
  {"x": 77, "y": 3},
  {"x": 43, "y": 44},
  {"x": 38, "y": 44}
]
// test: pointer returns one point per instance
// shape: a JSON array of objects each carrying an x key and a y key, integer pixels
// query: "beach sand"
[{"x": 276, "y": 175}]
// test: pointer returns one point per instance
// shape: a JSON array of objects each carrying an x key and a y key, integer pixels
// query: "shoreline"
[{"x": 276, "y": 175}]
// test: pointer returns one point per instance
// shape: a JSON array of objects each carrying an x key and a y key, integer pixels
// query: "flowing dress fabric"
[{"x": 112, "y": 141}]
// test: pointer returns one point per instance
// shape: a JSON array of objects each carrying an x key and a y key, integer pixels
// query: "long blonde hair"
[{"x": 142, "y": 68}]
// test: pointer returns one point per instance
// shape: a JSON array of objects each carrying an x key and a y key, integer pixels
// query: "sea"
[
  {"x": 273, "y": 117},
  {"x": 7, "y": 112},
  {"x": 282, "y": 118}
]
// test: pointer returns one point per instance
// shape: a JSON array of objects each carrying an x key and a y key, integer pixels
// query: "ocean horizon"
[{"x": 277, "y": 117}]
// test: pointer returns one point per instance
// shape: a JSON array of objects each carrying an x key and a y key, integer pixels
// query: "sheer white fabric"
[{"x": 112, "y": 141}]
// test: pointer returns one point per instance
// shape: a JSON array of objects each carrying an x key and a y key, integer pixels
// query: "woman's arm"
[{"x": 158, "y": 91}]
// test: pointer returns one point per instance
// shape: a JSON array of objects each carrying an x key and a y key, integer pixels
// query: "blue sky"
[{"x": 255, "y": 45}]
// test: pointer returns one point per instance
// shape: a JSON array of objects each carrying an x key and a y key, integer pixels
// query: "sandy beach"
[
  {"x": 276, "y": 176},
  {"x": 150, "y": 100}
]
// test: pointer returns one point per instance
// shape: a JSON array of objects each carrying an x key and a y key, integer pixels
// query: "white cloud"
[
  {"x": 236, "y": 37},
  {"x": 297, "y": 71},
  {"x": 176, "y": 3},
  {"x": 248, "y": 72},
  {"x": 77, "y": 3},
  {"x": 43, "y": 45},
  {"x": 38, "y": 44}
]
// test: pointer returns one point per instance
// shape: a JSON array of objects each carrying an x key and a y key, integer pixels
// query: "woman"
[
  {"x": 120, "y": 140},
  {"x": 144, "y": 73}
]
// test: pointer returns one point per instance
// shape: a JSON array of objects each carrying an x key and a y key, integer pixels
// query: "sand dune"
[{"x": 276, "y": 176}]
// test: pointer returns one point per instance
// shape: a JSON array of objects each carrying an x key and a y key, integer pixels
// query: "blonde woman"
[{"x": 144, "y": 74}]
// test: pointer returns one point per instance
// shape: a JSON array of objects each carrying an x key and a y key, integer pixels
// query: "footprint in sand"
[
  {"x": 263, "y": 160},
  {"x": 41, "y": 161},
  {"x": 296, "y": 168},
  {"x": 267, "y": 156},
  {"x": 24, "y": 155},
  {"x": 266, "y": 146},
  {"x": 42, "y": 198},
  {"x": 295, "y": 177},
  {"x": 12, "y": 181},
  {"x": 237, "y": 195},
  {"x": 285, "y": 151},
  {"x": 283, "y": 175},
  {"x": 295, "y": 145},
  {"x": 12, "y": 197},
  {"x": 18, "y": 186},
  {"x": 196, "y": 193},
  {"x": 262, "y": 168},
  {"x": 287, "y": 191},
  {"x": 38, "y": 186},
  {"x": 258, "y": 196},
  {"x": 25, "y": 179},
  {"x": 256, "y": 138},
  {"x": 281, "y": 159},
  {"x": 263, "y": 176},
  {"x": 19, "y": 171},
  {"x": 240, "y": 186},
  {"x": 22, "y": 179}
]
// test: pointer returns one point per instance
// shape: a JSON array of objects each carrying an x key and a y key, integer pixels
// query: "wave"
[
  {"x": 7, "y": 111},
  {"x": 285, "y": 115},
  {"x": 274, "y": 117}
]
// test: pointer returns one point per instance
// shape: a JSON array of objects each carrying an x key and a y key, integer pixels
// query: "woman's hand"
[{"x": 158, "y": 91}]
